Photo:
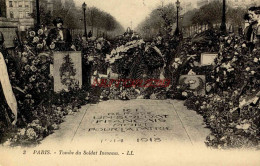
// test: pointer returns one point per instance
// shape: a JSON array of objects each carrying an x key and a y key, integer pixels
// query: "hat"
[{"x": 57, "y": 20}]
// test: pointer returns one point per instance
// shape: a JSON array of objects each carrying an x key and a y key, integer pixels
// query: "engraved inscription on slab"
[{"x": 130, "y": 120}]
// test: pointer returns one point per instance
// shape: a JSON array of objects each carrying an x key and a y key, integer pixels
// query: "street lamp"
[
  {"x": 223, "y": 23},
  {"x": 38, "y": 13},
  {"x": 92, "y": 20},
  {"x": 177, "y": 31},
  {"x": 84, "y": 7}
]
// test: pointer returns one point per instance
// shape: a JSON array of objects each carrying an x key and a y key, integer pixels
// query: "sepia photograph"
[{"x": 130, "y": 82}]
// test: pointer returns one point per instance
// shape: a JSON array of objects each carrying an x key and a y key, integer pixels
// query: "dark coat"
[
  {"x": 248, "y": 34},
  {"x": 1, "y": 38},
  {"x": 65, "y": 43},
  {"x": 249, "y": 30}
]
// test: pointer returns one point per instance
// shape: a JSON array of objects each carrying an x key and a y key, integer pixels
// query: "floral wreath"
[{"x": 198, "y": 89}]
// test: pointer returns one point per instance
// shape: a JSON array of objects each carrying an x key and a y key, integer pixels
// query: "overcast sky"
[{"x": 126, "y": 11}]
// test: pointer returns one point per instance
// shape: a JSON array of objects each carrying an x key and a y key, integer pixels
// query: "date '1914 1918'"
[{"x": 138, "y": 140}]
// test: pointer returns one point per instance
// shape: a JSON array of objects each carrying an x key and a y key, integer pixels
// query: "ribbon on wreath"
[
  {"x": 7, "y": 88},
  {"x": 193, "y": 57}
]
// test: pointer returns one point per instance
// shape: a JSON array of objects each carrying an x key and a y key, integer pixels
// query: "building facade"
[
  {"x": 8, "y": 26},
  {"x": 20, "y": 10},
  {"x": 47, "y": 5}
]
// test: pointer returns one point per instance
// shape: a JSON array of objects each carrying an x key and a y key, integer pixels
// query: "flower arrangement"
[
  {"x": 36, "y": 41},
  {"x": 233, "y": 120},
  {"x": 40, "y": 109},
  {"x": 230, "y": 107}
]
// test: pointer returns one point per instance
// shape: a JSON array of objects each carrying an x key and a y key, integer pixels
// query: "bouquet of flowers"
[{"x": 36, "y": 41}]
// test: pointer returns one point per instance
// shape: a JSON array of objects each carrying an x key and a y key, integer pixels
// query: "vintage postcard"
[{"x": 129, "y": 82}]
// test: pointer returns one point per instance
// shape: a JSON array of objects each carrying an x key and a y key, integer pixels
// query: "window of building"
[
  {"x": 11, "y": 14},
  {"x": 27, "y": 14},
  {"x": 10, "y": 3},
  {"x": 20, "y": 14},
  {"x": 26, "y": 4},
  {"x": 20, "y": 4}
]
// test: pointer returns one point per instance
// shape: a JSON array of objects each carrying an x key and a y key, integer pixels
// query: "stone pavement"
[{"x": 132, "y": 122}]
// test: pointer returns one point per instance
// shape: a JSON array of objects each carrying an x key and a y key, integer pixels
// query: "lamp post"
[
  {"x": 92, "y": 20},
  {"x": 177, "y": 31},
  {"x": 38, "y": 13},
  {"x": 84, "y": 7},
  {"x": 223, "y": 23}
]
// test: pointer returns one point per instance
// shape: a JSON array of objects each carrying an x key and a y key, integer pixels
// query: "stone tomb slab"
[{"x": 132, "y": 122}]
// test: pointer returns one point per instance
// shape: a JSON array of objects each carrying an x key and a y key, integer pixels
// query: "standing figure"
[
  {"x": 251, "y": 33},
  {"x": 59, "y": 38},
  {"x": 2, "y": 40},
  {"x": 90, "y": 34}
]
